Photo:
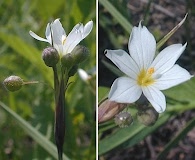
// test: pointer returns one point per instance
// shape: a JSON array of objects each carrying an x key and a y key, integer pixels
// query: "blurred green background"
[{"x": 20, "y": 55}]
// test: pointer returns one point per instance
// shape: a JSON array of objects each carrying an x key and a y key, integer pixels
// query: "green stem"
[
  {"x": 31, "y": 82},
  {"x": 60, "y": 113},
  {"x": 56, "y": 82}
]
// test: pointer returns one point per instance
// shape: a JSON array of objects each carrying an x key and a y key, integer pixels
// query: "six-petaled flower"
[
  {"x": 145, "y": 73},
  {"x": 56, "y": 36}
]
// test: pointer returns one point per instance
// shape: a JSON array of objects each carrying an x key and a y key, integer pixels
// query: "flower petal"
[
  {"x": 48, "y": 33},
  {"x": 71, "y": 41},
  {"x": 124, "y": 62},
  {"x": 124, "y": 90},
  {"x": 155, "y": 97},
  {"x": 142, "y": 46},
  {"x": 172, "y": 77},
  {"x": 78, "y": 33},
  {"x": 37, "y": 37},
  {"x": 167, "y": 58},
  {"x": 87, "y": 29},
  {"x": 58, "y": 33}
]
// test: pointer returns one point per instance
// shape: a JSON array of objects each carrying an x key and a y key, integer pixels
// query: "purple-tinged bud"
[
  {"x": 13, "y": 83},
  {"x": 108, "y": 109},
  {"x": 50, "y": 56},
  {"x": 147, "y": 116}
]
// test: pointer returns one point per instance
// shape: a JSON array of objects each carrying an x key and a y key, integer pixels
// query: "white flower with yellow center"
[
  {"x": 146, "y": 73},
  {"x": 56, "y": 36}
]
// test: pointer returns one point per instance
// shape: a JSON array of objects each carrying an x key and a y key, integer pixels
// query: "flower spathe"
[
  {"x": 56, "y": 36},
  {"x": 146, "y": 74}
]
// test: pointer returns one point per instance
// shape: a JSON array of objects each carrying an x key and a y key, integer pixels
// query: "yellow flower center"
[{"x": 145, "y": 77}]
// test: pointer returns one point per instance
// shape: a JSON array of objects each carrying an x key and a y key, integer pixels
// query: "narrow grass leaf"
[
  {"x": 176, "y": 139},
  {"x": 117, "y": 15},
  {"x": 32, "y": 132}
]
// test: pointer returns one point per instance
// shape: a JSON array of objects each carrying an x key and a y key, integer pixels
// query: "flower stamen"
[{"x": 145, "y": 77}]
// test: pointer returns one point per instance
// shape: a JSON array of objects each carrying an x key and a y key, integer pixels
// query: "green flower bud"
[
  {"x": 148, "y": 116},
  {"x": 80, "y": 53},
  {"x": 123, "y": 119},
  {"x": 50, "y": 56},
  {"x": 67, "y": 60},
  {"x": 73, "y": 70},
  {"x": 13, "y": 83}
]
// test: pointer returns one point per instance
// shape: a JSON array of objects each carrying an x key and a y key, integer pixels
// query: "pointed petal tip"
[{"x": 35, "y": 36}]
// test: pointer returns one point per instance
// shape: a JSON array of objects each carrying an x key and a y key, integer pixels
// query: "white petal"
[
  {"x": 172, "y": 77},
  {"x": 83, "y": 74},
  {"x": 71, "y": 41},
  {"x": 58, "y": 32},
  {"x": 59, "y": 48},
  {"x": 37, "y": 37},
  {"x": 78, "y": 33},
  {"x": 48, "y": 33},
  {"x": 167, "y": 58},
  {"x": 142, "y": 46},
  {"x": 156, "y": 98},
  {"x": 124, "y": 62},
  {"x": 87, "y": 29},
  {"x": 124, "y": 90}
]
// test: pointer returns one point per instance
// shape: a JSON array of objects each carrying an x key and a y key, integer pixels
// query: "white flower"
[
  {"x": 146, "y": 74},
  {"x": 83, "y": 75},
  {"x": 56, "y": 36}
]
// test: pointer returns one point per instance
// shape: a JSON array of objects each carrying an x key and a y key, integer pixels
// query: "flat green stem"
[
  {"x": 117, "y": 15},
  {"x": 60, "y": 113}
]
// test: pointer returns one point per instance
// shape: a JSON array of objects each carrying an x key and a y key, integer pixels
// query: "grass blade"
[{"x": 36, "y": 135}]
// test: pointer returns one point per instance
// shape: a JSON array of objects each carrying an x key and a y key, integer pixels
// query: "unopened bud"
[
  {"x": 50, "y": 56},
  {"x": 67, "y": 61},
  {"x": 73, "y": 70},
  {"x": 108, "y": 109},
  {"x": 147, "y": 116},
  {"x": 80, "y": 53},
  {"x": 123, "y": 119},
  {"x": 13, "y": 83}
]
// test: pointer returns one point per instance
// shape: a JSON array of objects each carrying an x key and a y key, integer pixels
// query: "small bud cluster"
[{"x": 78, "y": 55}]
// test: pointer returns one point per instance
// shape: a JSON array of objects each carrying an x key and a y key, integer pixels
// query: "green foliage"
[{"x": 20, "y": 55}]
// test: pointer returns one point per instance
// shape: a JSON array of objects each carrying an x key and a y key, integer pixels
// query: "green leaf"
[
  {"x": 130, "y": 135},
  {"x": 167, "y": 36},
  {"x": 31, "y": 131},
  {"x": 117, "y": 15}
]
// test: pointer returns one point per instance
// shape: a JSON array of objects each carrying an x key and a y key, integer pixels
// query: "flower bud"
[
  {"x": 80, "y": 53},
  {"x": 147, "y": 116},
  {"x": 108, "y": 109},
  {"x": 50, "y": 56},
  {"x": 67, "y": 60},
  {"x": 13, "y": 83},
  {"x": 123, "y": 119},
  {"x": 73, "y": 70}
]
